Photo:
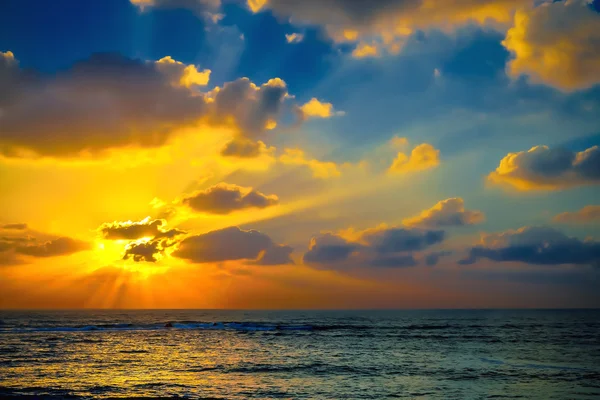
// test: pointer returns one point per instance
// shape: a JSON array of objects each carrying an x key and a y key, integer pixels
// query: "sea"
[{"x": 197, "y": 354}]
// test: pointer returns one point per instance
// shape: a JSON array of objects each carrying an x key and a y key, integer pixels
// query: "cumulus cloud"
[
  {"x": 255, "y": 109},
  {"x": 389, "y": 22},
  {"x": 320, "y": 169},
  {"x": 103, "y": 102},
  {"x": 422, "y": 157},
  {"x": 542, "y": 168},
  {"x": 131, "y": 230},
  {"x": 18, "y": 226},
  {"x": 317, "y": 109},
  {"x": 329, "y": 248},
  {"x": 229, "y": 244},
  {"x": 449, "y": 212},
  {"x": 536, "y": 245},
  {"x": 379, "y": 247},
  {"x": 364, "y": 50},
  {"x": 588, "y": 214},
  {"x": 109, "y": 101},
  {"x": 556, "y": 43},
  {"x": 181, "y": 74},
  {"x": 52, "y": 248},
  {"x": 294, "y": 37},
  {"x": 225, "y": 198}
]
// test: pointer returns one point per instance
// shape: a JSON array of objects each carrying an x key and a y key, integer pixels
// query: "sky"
[{"x": 274, "y": 154}]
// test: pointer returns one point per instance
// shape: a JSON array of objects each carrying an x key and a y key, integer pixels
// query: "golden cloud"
[
  {"x": 449, "y": 212},
  {"x": 422, "y": 157},
  {"x": 587, "y": 215},
  {"x": 556, "y": 44}
]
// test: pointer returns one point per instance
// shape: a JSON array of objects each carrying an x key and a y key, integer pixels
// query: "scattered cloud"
[
  {"x": 317, "y": 109},
  {"x": 389, "y": 22},
  {"x": 364, "y": 50},
  {"x": 225, "y": 198},
  {"x": 556, "y": 43},
  {"x": 449, "y": 212},
  {"x": 422, "y": 157},
  {"x": 294, "y": 37},
  {"x": 587, "y": 215},
  {"x": 246, "y": 148},
  {"x": 230, "y": 244},
  {"x": 535, "y": 245},
  {"x": 378, "y": 247},
  {"x": 542, "y": 168},
  {"x": 320, "y": 169}
]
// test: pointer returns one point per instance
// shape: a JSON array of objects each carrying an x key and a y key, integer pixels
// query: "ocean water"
[{"x": 455, "y": 354}]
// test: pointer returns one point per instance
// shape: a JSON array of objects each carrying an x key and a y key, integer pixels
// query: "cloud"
[
  {"x": 230, "y": 244},
  {"x": 181, "y": 74},
  {"x": 449, "y": 212},
  {"x": 225, "y": 198},
  {"x": 148, "y": 251},
  {"x": 317, "y": 109},
  {"x": 389, "y": 22},
  {"x": 542, "y": 168},
  {"x": 18, "y": 227},
  {"x": 432, "y": 258},
  {"x": 52, "y": 248},
  {"x": 255, "y": 109},
  {"x": 202, "y": 8},
  {"x": 246, "y": 148},
  {"x": 378, "y": 247},
  {"x": 364, "y": 50},
  {"x": 535, "y": 245},
  {"x": 320, "y": 169},
  {"x": 294, "y": 37},
  {"x": 328, "y": 248},
  {"x": 131, "y": 230},
  {"x": 587, "y": 215},
  {"x": 556, "y": 44},
  {"x": 422, "y": 157},
  {"x": 109, "y": 101},
  {"x": 103, "y": 102}
]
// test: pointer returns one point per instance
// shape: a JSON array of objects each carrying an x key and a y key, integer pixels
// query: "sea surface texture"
[{"x": 301, "y": 354}]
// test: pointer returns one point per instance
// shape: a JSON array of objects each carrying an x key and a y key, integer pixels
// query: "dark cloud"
[
  {"x": 103, "y": 102},
  {"x": 225, "y": 198},
  {"x": 275, "y": 255},
  {"x": 129, "y": 230},
  {"x": 545, "y": 168},
  {"x": 57, "y": 247},
  {"x": 536, "y": 245},
  {"x": 231, "y": 243},
  {"x": 433, "y": 258},
  {"x": 394, "y": 240},
  {"x": 147, "y": 251},
  {"x": 254, "y": 108},
  {"x": 110, "y": 101},
  {"x": 19, "y": 227},
  {"x": 329, "y": 248},
  {"x": 380, "y": 247},
  {"x": 243, "y": 148}
]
